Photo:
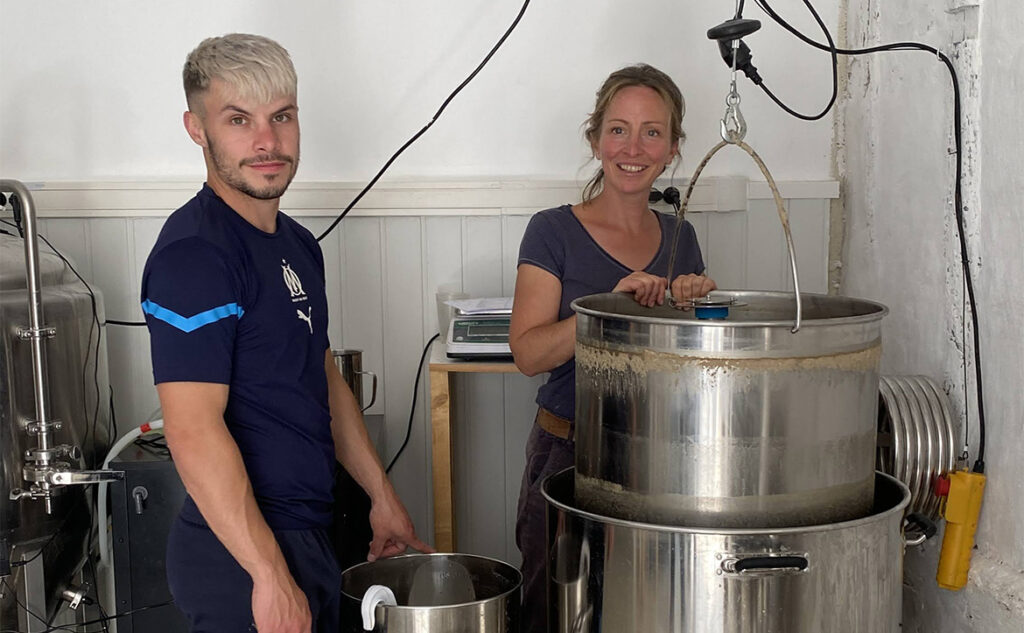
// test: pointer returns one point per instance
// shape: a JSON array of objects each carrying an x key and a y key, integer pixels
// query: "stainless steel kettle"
[{"x": 350, "y": 364}]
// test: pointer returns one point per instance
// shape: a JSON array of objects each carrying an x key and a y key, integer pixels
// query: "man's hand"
[
  {"x": 647, "y": 289},
  {"x": 279, "y": 606},
  {"x": 691, "y": 287},
  {"x": 393, "y": 531}
]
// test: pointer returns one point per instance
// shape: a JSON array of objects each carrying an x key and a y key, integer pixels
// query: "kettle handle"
[
  {"x": 373, "y": 390},
  {"x": 375, "y": 594}
]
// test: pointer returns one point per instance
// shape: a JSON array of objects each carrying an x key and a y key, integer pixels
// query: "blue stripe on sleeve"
[{"x": 188, "y": 324}]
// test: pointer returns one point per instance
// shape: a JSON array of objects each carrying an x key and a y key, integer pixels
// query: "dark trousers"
[
  {"x": 545, "y": 455},
  {"x": 215, "y": 593}
]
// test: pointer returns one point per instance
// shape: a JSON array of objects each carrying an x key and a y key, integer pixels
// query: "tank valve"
[{"x": 961, "y": 506}]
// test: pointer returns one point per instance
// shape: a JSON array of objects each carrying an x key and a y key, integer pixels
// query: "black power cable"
[
  {"x": 979, "y": 464},
  {"x": 125, "y": 323},
  {"x": 433, "y": 119},
  {"x": 412, "y": 410}
]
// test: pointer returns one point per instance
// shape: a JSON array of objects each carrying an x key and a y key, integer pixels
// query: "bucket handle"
[
  {"x": 779, "y": 206},
  {"x": 373, "y": 390},
  {"x": 375, "y": 594},
  {"x": 925, "y": 528},
  {"x": 765, "y": 565}
]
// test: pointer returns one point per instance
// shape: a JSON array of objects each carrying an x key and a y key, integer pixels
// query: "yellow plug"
[{"x": 961, "y": 509}]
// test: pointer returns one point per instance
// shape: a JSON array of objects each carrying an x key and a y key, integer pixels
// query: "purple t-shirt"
[{"x": 556, "y": 241}]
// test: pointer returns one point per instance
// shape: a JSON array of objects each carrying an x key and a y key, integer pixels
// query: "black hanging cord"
[
  {"x": 415, "y": 137},
  {"x": 979, "y": 464},
  {"x": 835, "y": 75},
  {"x": 412, "y": 410}
]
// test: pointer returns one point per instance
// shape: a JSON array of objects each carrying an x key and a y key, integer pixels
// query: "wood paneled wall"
[{"x": 384, "y": 263}]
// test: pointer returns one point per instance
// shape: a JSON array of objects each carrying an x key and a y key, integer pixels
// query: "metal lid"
[{"x": 748, "y": 308}]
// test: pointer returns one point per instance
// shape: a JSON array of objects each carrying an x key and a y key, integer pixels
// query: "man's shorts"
[{"x": 215, "y": 593}]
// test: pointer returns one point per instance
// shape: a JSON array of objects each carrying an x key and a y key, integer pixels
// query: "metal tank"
[
  {"x": 609, "y": 575},
  {"x": 59, "y": 376},
  {"x": 728, "y": 422}
]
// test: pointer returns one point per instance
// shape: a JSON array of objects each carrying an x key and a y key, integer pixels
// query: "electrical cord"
[
  {"x": 125, "y": 323},
  {"x": 412, "y": 410},
  {"x": 35, "y": 615},
  {"x": 77, "y": 626},
  {"x": 433, "y": 119},
  {"x": 835, "y": 75},
  {"x": 979, "y": 464}
]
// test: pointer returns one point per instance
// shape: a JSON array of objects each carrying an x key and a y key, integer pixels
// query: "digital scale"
[{"x": 480, "y": 332}]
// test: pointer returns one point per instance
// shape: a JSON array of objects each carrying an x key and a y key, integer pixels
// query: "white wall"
[
  {"x": 91, "y": 90},
  {"x": 902, "y": 251},
  {"x": 383, "y": 266}
]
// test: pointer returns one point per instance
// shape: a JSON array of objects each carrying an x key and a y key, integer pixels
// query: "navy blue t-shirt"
[
  {"x": 556, "y": 241},
  {"x": 228, "y": 303}
]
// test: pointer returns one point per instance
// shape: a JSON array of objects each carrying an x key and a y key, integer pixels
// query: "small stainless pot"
[{"x": 496, "y": 586}]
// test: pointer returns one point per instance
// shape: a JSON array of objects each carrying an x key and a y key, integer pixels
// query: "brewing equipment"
[
  {"x": 612, "y": 575},
  {"x": 54, "y": 417},
  {"x": 724, "y": 479},
  {"x": 485, "y": 597},
  {"x": 350, "y": 364},
  {"x": 734, "y": 422}
]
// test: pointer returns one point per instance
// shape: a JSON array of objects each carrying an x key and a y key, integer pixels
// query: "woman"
[{"x": 612, "y": 241}]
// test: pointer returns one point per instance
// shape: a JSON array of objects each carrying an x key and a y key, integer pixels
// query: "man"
[{"x": 255, "y": 411}]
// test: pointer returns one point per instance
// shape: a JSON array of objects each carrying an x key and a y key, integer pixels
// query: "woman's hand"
[
  {"x": 647, "y": 289},
  {"x": 691, "y": 286}
]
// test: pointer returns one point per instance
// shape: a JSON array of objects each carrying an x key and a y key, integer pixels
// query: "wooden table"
[{"x": 441, "y": 370}]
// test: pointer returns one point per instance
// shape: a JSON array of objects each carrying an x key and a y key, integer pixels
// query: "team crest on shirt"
[{"x": 293, "y": 283}]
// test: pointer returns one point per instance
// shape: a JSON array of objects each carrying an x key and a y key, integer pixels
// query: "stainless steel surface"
[
  {"x": 350, "y": 364},
  {"x": 917, "y": 442},
  {"x": 612, "y": 576},
  {"x": 35, "y": 332},
  {"x": 80, "y": 404},
  {"x": 736, "y": 422},
  {"x": 72, "y": 477},
  {"x": 495, "y": 610},
  {"x": 43, "y": 425}
]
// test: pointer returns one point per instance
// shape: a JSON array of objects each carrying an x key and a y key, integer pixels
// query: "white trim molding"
[{"x": 423, "y": 198}]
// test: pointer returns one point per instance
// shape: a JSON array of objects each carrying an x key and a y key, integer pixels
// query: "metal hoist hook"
[{"x": 734, "y": 126}]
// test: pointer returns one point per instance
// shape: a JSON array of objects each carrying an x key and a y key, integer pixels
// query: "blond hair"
[{"x": 256, "y": 67}]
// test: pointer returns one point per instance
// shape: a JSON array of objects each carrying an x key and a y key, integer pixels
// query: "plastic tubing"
[{"x": 101, "y": 503}]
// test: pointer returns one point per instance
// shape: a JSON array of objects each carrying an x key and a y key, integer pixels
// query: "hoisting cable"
[{"x": 433, "y": 119}]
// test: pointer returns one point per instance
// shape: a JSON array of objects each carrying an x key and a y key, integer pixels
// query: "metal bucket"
[
  {"x": 613, "y": 576},
  {"x": 732, "y": 422},
  {"x": 495, "y": 609},
  {"x": 350, "y": 364}
]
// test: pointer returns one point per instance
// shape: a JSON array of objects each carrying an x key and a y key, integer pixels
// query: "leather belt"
[{"x": 554, "y": 424}]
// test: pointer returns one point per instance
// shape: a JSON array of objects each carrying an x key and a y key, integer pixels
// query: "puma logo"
[{"x": 307, "y": 318}]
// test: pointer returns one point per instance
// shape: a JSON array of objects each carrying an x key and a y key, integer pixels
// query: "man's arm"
[
  {"x": 211, "y": 467},
  {"x": 392, "y": 529}
]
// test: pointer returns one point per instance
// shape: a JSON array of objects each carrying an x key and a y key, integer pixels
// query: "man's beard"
[{"x": 233, "y": 176}]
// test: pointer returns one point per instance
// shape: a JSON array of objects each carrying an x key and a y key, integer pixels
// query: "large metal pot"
[
  {"x": 494, "y": 609},
  {"x": 734, "y": 422},
  {"x": 613, "y": 576}
]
